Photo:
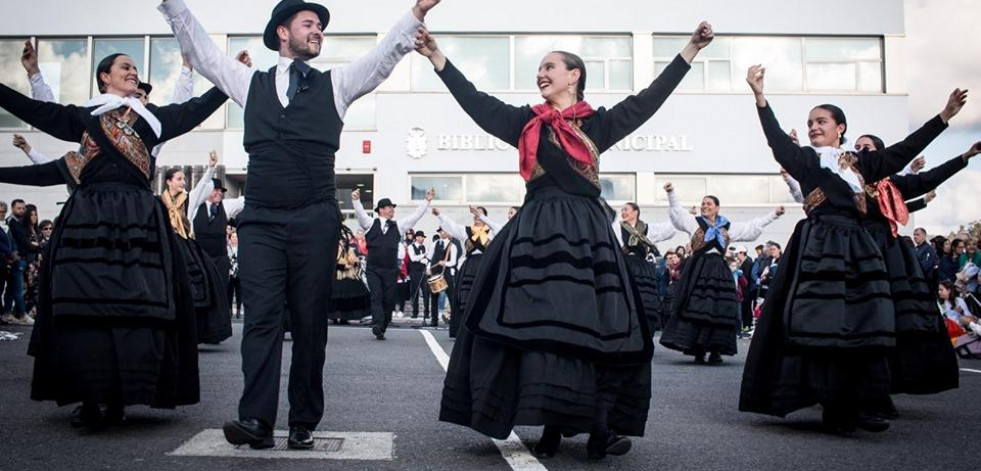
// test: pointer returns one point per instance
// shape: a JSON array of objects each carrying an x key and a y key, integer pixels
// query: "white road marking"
[
  {"x": 513, "y": 451},
  {"x": 972, "y": 371},
  {"x": 368, "y": 446}
]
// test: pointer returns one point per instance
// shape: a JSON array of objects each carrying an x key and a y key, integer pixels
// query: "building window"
[
  {"x": 103, "y": 47},
  {"x": 794, "y": 64},
  {"x": 12, "y": 75},
  {"x": 609, "y": 59},
  {"x": 448, "y": 187},
  {"x": 732, "y": 190},
  {"x": 165, "y": 67},
  {"x": 335, "y": 51},
  {"x": 493, "y": 188},
  {"x": 619, "y": 188},
  {"x": 65, "y": 66},
  {"x": 484, "y": 59}
]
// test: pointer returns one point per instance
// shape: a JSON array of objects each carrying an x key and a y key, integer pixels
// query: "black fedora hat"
[
  {"x": 218, "y": 185},
  {"x": 286, "y": 9},
  {"x": 420, "y": 234},
  {"x": 383, "y": 203}
]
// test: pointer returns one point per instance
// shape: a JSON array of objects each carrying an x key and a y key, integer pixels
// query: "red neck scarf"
[
  {"x": 571, "y": 142},
  {"x": 892, "y": 205}
]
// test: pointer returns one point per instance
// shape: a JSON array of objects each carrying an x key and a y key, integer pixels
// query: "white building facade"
[{"x": 410, "y": 134}]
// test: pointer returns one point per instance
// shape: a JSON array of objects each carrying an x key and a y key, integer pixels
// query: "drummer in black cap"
[
  {"x": 291, "y": 224},
  {"x": 418, "y": 260},
  {"x": 384, "y": 235}
]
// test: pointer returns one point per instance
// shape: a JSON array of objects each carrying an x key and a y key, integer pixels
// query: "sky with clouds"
[{"x": 943, "y": 46}]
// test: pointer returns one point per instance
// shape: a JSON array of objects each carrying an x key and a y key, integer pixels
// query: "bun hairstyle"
[
  {"x": 573, "y": 61},
  {"x": 634, "y": 207},
  {"x": 879, "y": 145},
  {"x": 169, "y": 175},
  {"x": 838, "y": 115},
  {"x": 103, "y": 68}
]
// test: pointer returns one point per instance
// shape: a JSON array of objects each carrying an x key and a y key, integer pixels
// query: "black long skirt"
[
  {"x": 553, "y": 332},
  {"x": 833, "y": 273},
  {"x": 705, "y": 311},
  {"x": 463, "y": 286},
  {"x": 116, "y": 319},
  {"x": 349, "y": 300},
  {"x": 924, "y": 361},
  {"x": 210, "y": 293},
  {"x": 644, "y": 276}
]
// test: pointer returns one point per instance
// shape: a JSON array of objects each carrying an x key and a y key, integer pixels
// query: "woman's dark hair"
[
  {"x": 169, "y": 175},
  {"x": 837, "y": 115},
  {"x": 634, "y": 207},
  {"x": 879, "y": 145},
  {"x": 938, "y": 245},
  {"x": 573, "y": 61},
  {"x": 482, "y": 209},
  {"x": 954, "y": 294},
  {"x": 103, "y": 68},
  {"x": 953, "y": 247},
  {"x": 45, "y": 223},
  {"x": 714, "y": 199},
  {"x": 28, "y": 210}
]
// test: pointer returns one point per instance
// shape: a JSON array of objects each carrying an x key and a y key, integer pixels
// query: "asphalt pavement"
[{"x": 393, "y": 387}]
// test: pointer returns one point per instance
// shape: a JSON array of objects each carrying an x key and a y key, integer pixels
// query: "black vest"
[
  {"x": 211, "y": 235},
  {"x": 439, "y": 253},
  {"x": 291, "y": 150},
  {"x": 383, "y": 248},
  {"x": 417, "y": 251}
]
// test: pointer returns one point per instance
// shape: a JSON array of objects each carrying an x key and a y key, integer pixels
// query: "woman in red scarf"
[
  {"x": 923, "y": 361},
  {"x": 554, "y": 332}
]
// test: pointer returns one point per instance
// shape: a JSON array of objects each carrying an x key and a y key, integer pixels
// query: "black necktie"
[
  {"x": 298, "y": 70},
  {"x": 214, "y": 212},
  {"x": 388, "y": 224}
]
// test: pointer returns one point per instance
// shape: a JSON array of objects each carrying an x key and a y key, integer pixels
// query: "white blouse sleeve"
[
  {"x": 750, "y": 231},
  {"x": 794, "y": 187},
  {"x": 661, "y": 232},
  {"x": 680, "y": 217},
  {"x": 449, "y": 225}
]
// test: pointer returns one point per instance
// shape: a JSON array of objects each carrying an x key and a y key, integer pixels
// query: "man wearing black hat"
[
  {"x": 443, "y": 262},
  {"x": 210, "y": 213},
  {"x": 290, "y": 228},
  {"x": 384, "y": 236},
  {"x": 418, "y": 260}
]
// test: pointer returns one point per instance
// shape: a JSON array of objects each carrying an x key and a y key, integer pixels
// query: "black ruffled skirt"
[
  {"x": 644, "y": 276},
  {"x": 349, "y": 300},
  {"x": 705, "y": 312},
  {"x": 827, "y": 325},
  {"x": 553, "y": 334},
  {"x": 924, "y": 361},
  {"x": 209, "y": 291},
  {"x": 116, "y": 320}
]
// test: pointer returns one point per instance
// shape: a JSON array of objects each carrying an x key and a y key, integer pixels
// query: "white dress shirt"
[
  {"x": 403, "y": 224},
  {"x": 451, "y": 260},
  {"x": 202, "y": 191},
  {"x": 349, "y": 82},
  {"x": 457, "y": 231},
  {"x": 420, "y": 258}
]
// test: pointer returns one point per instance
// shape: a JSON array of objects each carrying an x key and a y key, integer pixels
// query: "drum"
[{"x": 437, "y": 284}]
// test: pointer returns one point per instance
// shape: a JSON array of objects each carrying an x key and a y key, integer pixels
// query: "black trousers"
[
  {"x": 282, "y": 256},
  {"x": 235, "y": 293},
  {"x": 382, "y": 285},
  {"x": 418, "y": 287},
  {"x": 747, "y": 311},
  {"x": 450, "y": 299}
]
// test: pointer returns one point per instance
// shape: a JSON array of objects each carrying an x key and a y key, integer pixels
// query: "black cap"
[
  {"x": 284, "y": 10},
  {"x": 383, "y": 203},
  {"x": 420, "y": 234},
  {"x": 146, "y": 87},
  {"x": 218, "y": 185}
]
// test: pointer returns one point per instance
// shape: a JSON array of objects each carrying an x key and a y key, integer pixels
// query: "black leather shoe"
[
  {"x": 613, "y": 444},
  {"x": 300, "y": 438},
  {"x": 88, "y": 416},
  {"x": 715, "y": 358},
  {"x": 377, "y": 330},
  {"x": 871, "y": 423},
  {"x": 250, "y": 432},
  {"x": 548, "y": 444}
]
